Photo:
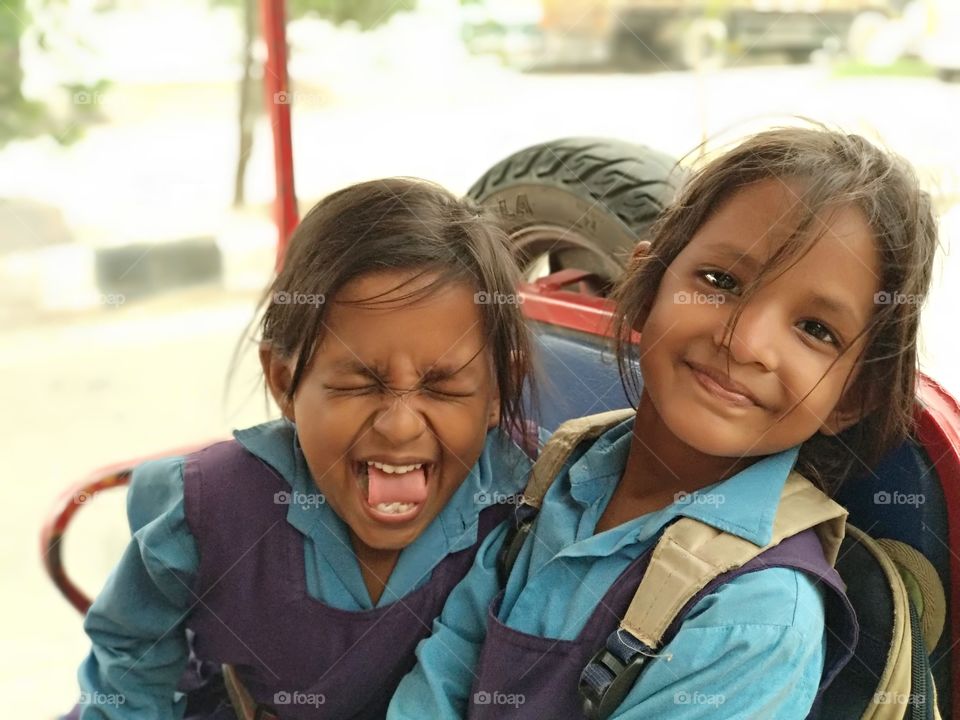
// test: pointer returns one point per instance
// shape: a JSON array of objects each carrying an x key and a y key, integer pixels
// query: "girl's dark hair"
[
  {"x": 400, "y": 224},
  {"x": 835, "y": 170}
]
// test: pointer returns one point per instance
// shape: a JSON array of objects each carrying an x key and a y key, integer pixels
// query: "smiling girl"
[
  {"x": 310, "y": 554},
  {"x": 769, "y": 352}
]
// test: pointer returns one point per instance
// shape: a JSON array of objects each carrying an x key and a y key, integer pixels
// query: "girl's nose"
[
  {"x": 399, "y": 421},
  {"x": 753, "y": 339}
]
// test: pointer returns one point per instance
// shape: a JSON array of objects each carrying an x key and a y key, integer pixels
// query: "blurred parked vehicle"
[
  {"x": 685, "y": 33},
  {"x": 942, "y": 47}
]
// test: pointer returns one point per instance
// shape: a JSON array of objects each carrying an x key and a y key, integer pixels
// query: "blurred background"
[{"x": 136, "y": 180}]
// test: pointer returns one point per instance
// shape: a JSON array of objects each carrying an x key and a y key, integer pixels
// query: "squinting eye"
[
  {"x": 359, "y": 390},
  {"x": 448, "y": 395},
  {"x": 819, "y": 331},
  {"x": 721, "y": 280}
]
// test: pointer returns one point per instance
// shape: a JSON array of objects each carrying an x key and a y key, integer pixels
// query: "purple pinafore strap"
[
  {"x": 526, "y": 676},
  {"x": 304, "y": 658}
]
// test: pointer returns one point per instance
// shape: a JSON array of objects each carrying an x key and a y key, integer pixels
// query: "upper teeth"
[{"x": 394, "y": 468}]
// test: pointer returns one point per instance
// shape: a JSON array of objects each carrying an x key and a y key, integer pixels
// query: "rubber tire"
[{"x": 607, "y": 192}]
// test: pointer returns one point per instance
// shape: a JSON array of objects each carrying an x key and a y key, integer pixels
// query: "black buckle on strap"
[{"x": 611, "y": 673}]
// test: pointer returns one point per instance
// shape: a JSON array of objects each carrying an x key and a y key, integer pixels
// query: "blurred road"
[{"x": 136, "y": 381}]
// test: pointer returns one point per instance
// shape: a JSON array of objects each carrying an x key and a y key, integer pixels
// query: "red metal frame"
[
  {"x": 80, "y": 495},
  {"x": 278, "y": 100}
]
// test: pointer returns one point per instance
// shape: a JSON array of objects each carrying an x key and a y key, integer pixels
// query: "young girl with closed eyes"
[{"x": 309, "y": 555}]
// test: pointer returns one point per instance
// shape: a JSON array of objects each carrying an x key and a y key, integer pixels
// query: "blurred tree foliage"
[
  {"x": 18, "y": 116},
  {"x": 368, "y": 14},
  {"x": 21, "y": 117}
]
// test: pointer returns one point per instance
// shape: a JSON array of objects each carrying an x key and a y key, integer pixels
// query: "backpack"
[{"x": 894, "y": 590}]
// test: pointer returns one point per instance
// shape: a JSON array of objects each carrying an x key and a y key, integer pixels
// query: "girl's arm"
[
  {"x": 136, "y": 623},
  {"x": 439, "y": 686},
  {"x": 742, "y": 653}
]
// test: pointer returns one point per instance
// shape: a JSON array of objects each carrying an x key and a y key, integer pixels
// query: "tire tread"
[{"x": 633, "y": 182}]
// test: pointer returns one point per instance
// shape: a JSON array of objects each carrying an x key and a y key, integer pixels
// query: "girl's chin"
[
  {"x": 380, "y": 540},
  {"x": 707, "y": 440},
  {"x": 390, "y": 534}
]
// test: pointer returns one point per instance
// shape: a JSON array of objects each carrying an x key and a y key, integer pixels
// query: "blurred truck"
[
  {"x": 941, "y": 48},
  {"x": 685, "y": 33}
]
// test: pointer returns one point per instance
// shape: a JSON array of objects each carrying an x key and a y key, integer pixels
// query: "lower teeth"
[{"x": 394, "y": 508}]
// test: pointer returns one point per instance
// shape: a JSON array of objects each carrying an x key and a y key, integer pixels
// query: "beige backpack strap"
[
  {"x": 561, "y": 444},
  {"x": 894, "y": 684},
  {"x": 923, "y": 587},
  {"x": 690, "y": 554}
]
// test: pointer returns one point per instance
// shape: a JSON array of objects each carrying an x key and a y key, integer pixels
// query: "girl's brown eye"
[
  {"x": 721, "y": 280},
  {"x": 819, "y": 331}
]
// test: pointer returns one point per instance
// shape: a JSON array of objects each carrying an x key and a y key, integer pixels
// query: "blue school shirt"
[
  {"x": 136, "y": 623},
  {"x": 754, "y": 648}
]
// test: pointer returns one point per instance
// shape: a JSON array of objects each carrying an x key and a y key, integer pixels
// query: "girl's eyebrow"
[
  {"x": 837, "y": 307},
  {"x": 438, "y": 373},
  {"x": 733, "y": 253},
  {"x": 354, "y": 366}
]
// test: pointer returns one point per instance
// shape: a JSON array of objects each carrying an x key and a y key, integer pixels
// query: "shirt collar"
[
  {"x": 606, "y": 458},
  {"x": 499, "y": 475},
  {"x": 744, "y": 504},
  {"x": 276, "y": 443},
  {"x": 500, "y": 472}
]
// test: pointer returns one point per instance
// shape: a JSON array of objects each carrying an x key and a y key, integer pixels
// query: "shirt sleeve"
[
  {"x": 136, "y": 623},
  {"x": 743, "y": 653},
  {"x": 439, "y": 686}
]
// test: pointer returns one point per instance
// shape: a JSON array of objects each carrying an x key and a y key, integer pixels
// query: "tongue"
[{"x": 409, "y": 487}]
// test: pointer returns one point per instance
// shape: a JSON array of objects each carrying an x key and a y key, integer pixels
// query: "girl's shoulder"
[
  {"x": 156, "y": 488},
  {"x": 775, "y": 596}
]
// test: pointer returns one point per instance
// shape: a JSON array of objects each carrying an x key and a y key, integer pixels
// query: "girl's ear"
[
  {"x": 278, "y": 375},
  {"x": 639, "y": 252},
  {"x": 840, "y": 420},
  {"x": 493, "y": 416},
  {"x": 636, "y": 258},
  {"x": 849, "y": 411},
  {"x": 493, "y": 411}
]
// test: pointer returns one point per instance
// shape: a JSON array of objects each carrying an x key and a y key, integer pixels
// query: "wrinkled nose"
[{"x": 399, "y": 421}]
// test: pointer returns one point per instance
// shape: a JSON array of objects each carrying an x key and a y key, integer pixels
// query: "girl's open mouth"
[{"x": 393, "y": 493}]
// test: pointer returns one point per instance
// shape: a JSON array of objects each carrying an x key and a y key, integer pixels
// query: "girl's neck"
[
  {"x": 376, "y": 565},
  {"x": 660, "y": 465}
]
